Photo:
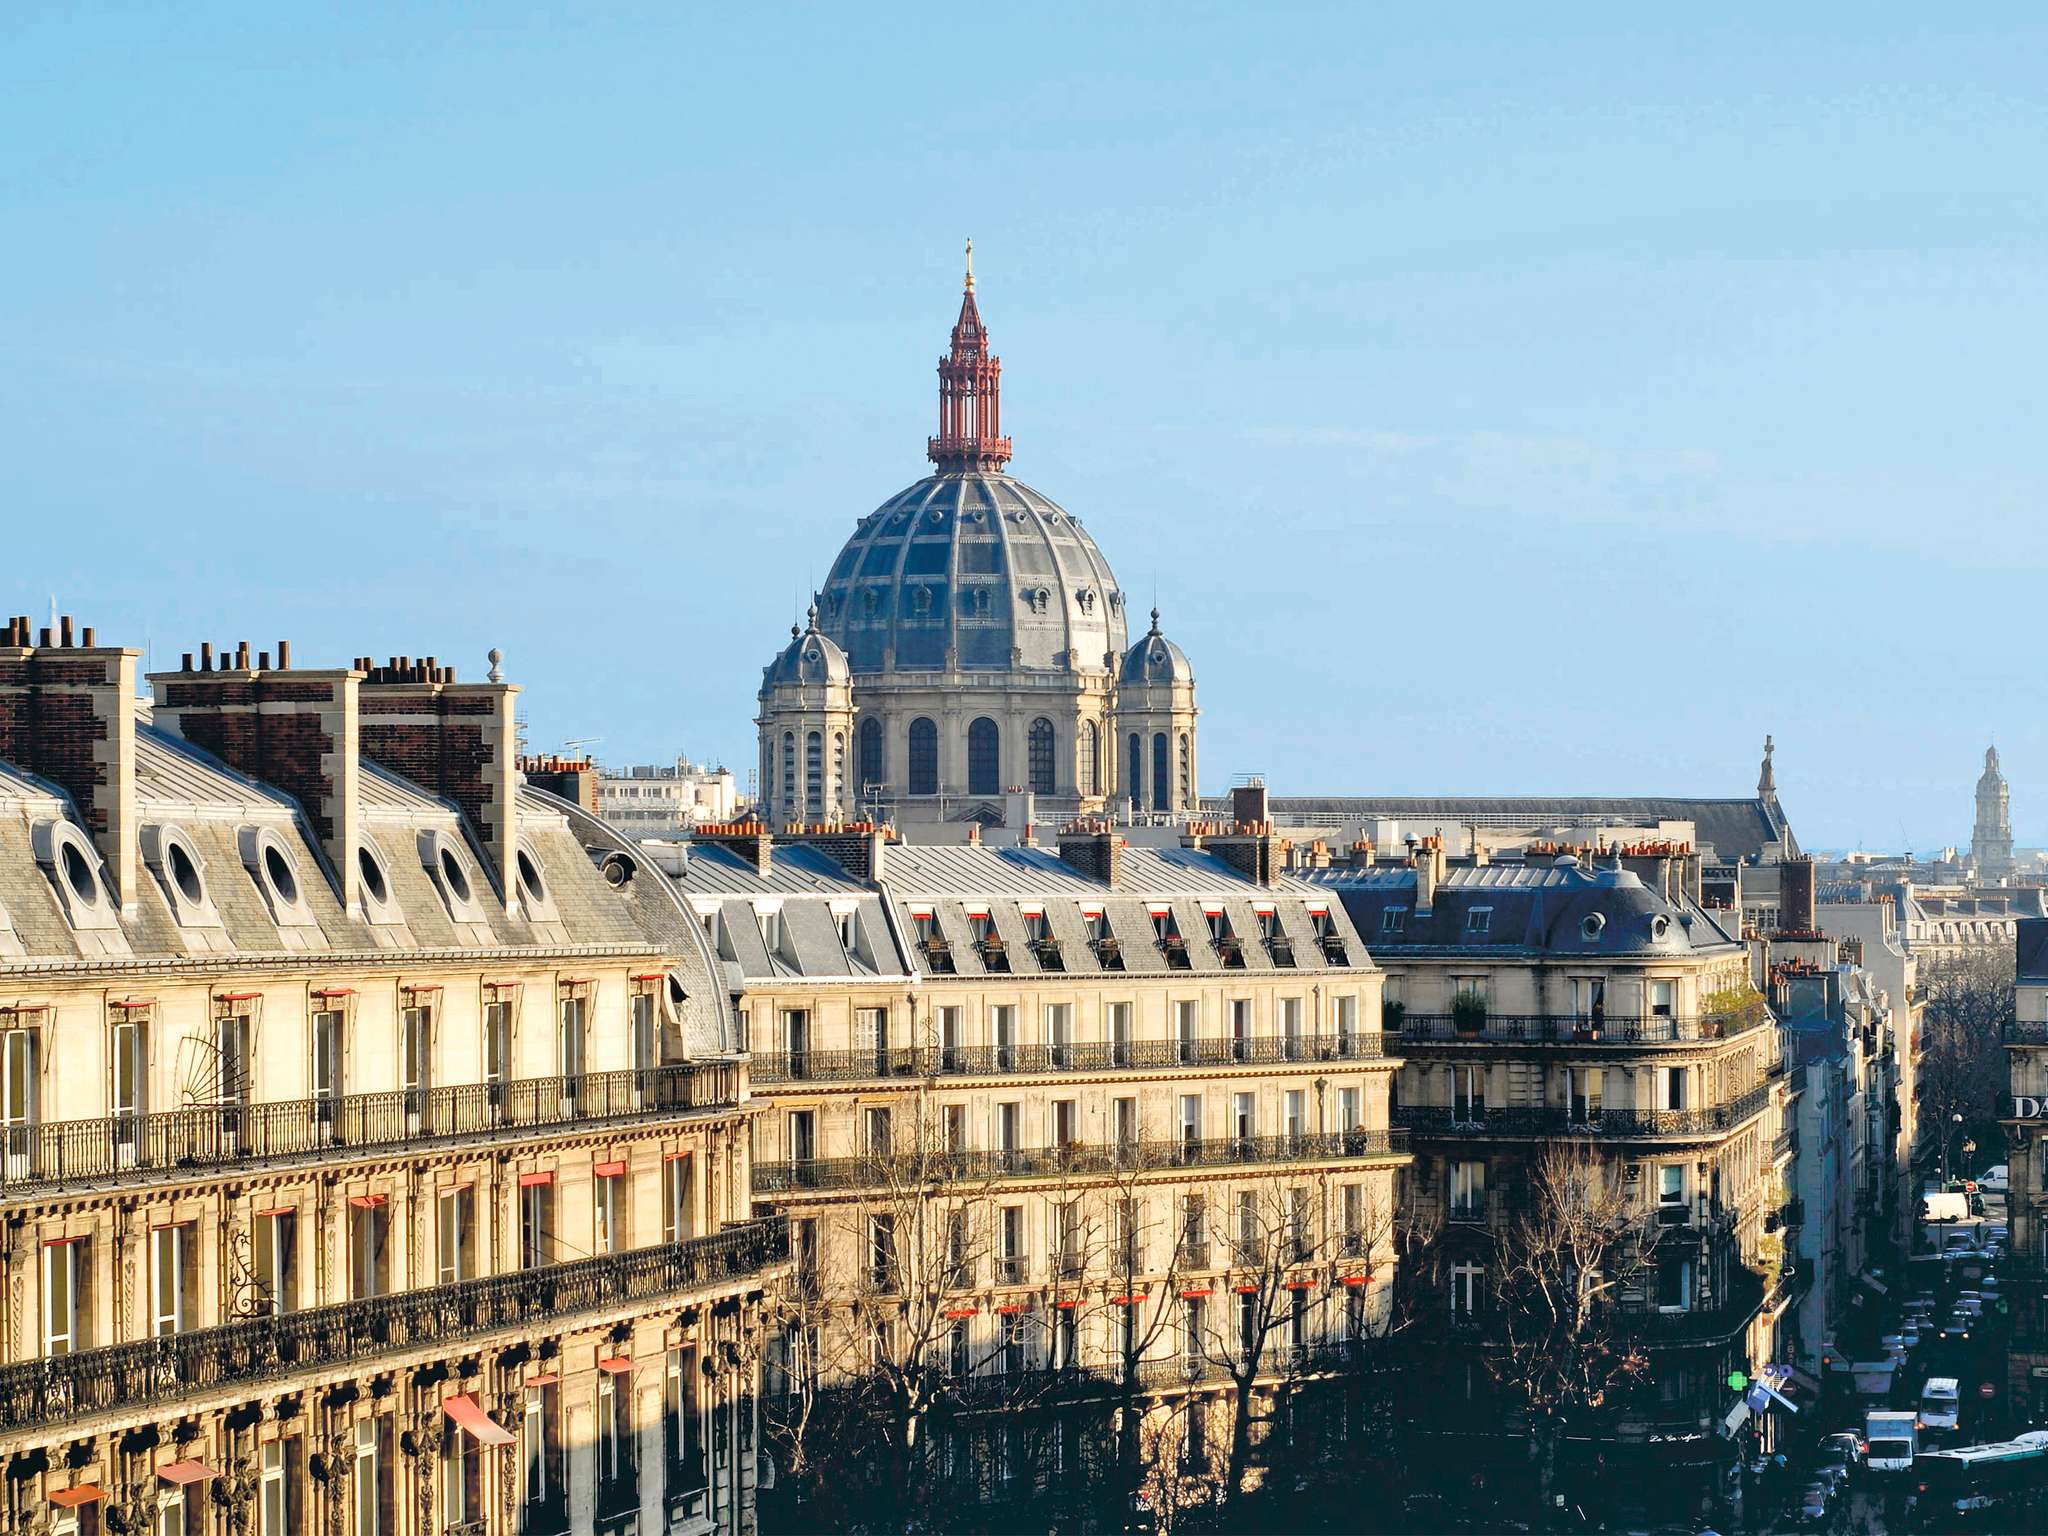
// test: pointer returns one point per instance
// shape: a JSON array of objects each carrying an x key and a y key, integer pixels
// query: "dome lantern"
[{"x": 970, "y": 395}]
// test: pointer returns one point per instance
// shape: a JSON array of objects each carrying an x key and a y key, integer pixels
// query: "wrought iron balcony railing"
[
  {"x": 1556, "y": 1120},
  {"x": 1093, "y": 1056},
  {"x": 143, "y": 1379},
  {"x": 1602, "y": 1029},
  {"x": 220, "y": 1135},
  {"x": 1079, "y": 1160}
]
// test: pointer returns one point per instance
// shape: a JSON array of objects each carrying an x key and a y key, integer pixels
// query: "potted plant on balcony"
[
  {"x": 1468, "y": 1015},
  {"x": 1392, "y": 1012}
]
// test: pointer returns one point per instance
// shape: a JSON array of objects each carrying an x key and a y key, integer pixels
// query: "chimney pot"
[
  {"x": 284, "y": 655},
  {"x": 206, "y": 655},
  {"x": 242, "y": 656},
  {"x": 85, "y": 637},
  {"x": 44, "y": 637},
  {"x": 186, "y": 664},
  {"x": 64, "y": 632}
]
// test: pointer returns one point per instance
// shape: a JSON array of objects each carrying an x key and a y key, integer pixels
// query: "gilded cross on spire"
[{"x": 970, "y": 265}]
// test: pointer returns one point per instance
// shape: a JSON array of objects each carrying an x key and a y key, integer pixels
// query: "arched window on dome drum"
[
  {"x": 1040, "y": 743},
  {"x": 1089, "y": 763},
  {"x": 1162, "y": 783},
  {"x": 868, "y": 742},
  {"x": 786, "y": 801},
  {"x": 984, "y": 758},
  {"x": 1134, "y": 769},
  {"x": 835, "y": 790},
  {"x": 814, "y": 777},
  {"x": 1187, "y": 788},
  {"x": 924, "y": 757}
]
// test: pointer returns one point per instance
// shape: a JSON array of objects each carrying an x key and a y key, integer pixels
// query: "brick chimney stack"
[
  {"x": 293, "y": 730},
  {"x": 751, "y": 840},
  {"x": 457, "y": 739},
  {"x": 1093, "y": 849},
  {"x": 67, "y": 713},
  {"x": 1429, "y": 872}
]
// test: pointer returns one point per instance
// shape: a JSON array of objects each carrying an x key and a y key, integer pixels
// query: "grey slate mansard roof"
[
  {"x": 212, "y": 806},
  {"x": 1526, "y": 909},
  {"x": 806, "y": 888},
  {"x": 1732, "y": 828}
]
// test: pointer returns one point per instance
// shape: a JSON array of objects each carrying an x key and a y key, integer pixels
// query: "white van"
[
  {"x": 1939, "y": 1403},
  {"x": 1889, "y": 1442}
]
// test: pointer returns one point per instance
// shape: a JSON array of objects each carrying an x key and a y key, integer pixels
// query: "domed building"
[{"x": 970, "y": 640}]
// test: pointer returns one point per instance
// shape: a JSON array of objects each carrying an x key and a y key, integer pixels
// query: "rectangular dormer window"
[
  {"x": 1392, "y": 919},
  {"x": 849, "y": 931},
  {"x": 1478, "y": 920},
  {"x": 771, "y": 931},
  {"x": 981, "y": 926}
]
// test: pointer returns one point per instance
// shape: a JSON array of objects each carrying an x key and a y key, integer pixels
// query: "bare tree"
[
  {"x": 1582, "y": 1238},
  {"x": 1962, "y": 1069}
]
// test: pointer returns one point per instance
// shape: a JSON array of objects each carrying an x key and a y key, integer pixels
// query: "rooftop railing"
[
  {"x": 1094, "y": 1056},
  {"x": 227, "y": 1134},
  {"x": 143, "y": 1379},
  {"x": 1556, "y": 1120},
  {"x": 1080, "y": 1160}
]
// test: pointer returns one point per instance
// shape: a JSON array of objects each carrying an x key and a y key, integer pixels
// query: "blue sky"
[{"x": 1500, "y": 401}]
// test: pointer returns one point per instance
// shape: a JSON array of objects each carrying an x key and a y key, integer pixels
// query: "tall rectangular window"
[
  {"x": 1348, "y": 1110},
  {"x": 871, "y": 1037},
  {"x": 372, "y": 1491},
  {"x": 1468, "y": 1095},
  {"x": 949, "y": 1039},
  {"x": 676, "y": 1223},
  {"x": 232, "y": 1040},
  {"x": 1586, "y": 1087},
  {"x": 1120, "y": 1034},
  {"x": 1468, "y": 1191},
  {"x": 497, "y": 1044},
  {"x": 277, "y": 1504},
  {"x": 1663, "y": 999},
  {"x": 1059, "y": 1033},
  {"x": 682, "y": 1423},
  {"x": 1297, "y": 1116},
  {"x": 455, "y": 1235},
  {"x": 615, "y": 1466},
  {"x": 66, "y": 1294},
  {"x": 415, "y": 1059},
  {"x": 173, "y": 1265},
  {"x": 540, "y": 1451},
  {"x": 274, "y": 1241},
  {"x": 574, "y": 1014},
  {"x": 1190, "y": 1122},
  {"x": 646, "y": 1044},
  {"x": 879, "y": 1136},
  {"x": 1240, "y": 1028},
  {"x": 536, "y": 1222},
  {"x": 462, "y": 1481},
  {"x": 368, "y": 1230},
  {"x": 128, "y": 1058},
  {"x": 1186, "y": 1020},
  {"x": 1125, "y": 1120},
  {"x": 1003, "y": 1036},
  {"x": 1290, "y": 1027},
  {"x": 327, "y": 1057},
  {"x": 608, "y": 1197},
  {"x": 1347, "y": 1025}
]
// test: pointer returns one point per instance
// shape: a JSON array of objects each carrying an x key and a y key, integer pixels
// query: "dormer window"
[
  {"x": 771, "y": 930},
  {"x": 1478, "y": 921},
  {"x": 1108, "y": 952},
  {"x": 1166, "y": 934},
  {"x": 1274, "y": 937},
  {"x": 1393, "y": 919},
  {"x": 849, "y": 930},
  {"x": 1327, "y": 936},
  {"x": 1222, "y": 938}
]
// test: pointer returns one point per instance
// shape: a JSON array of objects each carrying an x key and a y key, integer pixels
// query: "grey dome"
[
  {"x": 977, "y": 566},
  {"x": 810, "y": 659},
  {"x": 1156, "y": 659}
]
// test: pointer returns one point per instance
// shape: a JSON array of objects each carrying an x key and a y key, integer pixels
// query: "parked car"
[
  {"x": 1997, "y": 1179},
  {"x": 1814, "y": 1503}
]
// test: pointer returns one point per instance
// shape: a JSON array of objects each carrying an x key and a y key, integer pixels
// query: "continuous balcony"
[
  {"x": 2024, "y": 1032},
  {"x": 1675, "y": 1327},
  {"x": 1079, "y": 1160},
  {"x": 1557, "y": 1120},
  {"x": 1101, "y": 1056},
  {"x": 1605, "y": 1029},
  {"x": 148, "y": 1378},
  {"x": 227, "y": 1135}
]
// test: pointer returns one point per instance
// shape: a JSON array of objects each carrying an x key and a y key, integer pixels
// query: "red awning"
[
  {"x": 482, "y": 1428},
  {"x": 1212, "y": 909},
  {"x": 367, "y": 1202},
  {"x": 529, "y": 1180},
  {"x": 1246, "y": 1290},
  {"x": 1300, "y": 1285},
  {"x": 129, "y": 1002},
  {"x": 234, "y": 997},
  {"x": 544, "y": 1379},
  {"x": 572, "y": 981},
  {"x": 1202, "y": 1291},
  {"x": 1158, "y": 908},
  {"x": 612, "y": 1170},
  {"x": 615, "y": 1365},
  {"x": 1010, "y": 1311},
  {"x": 71, "y": 1498},
  {"x": 1127, "y": 1301},
  {"x": 59, "y": 1242},
  {"x": 1354, "y": 1279},
  {"x": 651, "y": 976},
  {"x": 184, "y": 1473},
  {"x": 334, "y": 991},
  {"x": 1067, "y": 1304},
  {"x": 958, "y": 1312},
  {"x": 419, "y": 986},
  {"x": 1091, "y": 909},
  {"x": 282, "y": 1210},
  {"x": 675, "y": 1157}
]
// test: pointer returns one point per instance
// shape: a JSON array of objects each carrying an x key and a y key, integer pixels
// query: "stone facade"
[{"x": 377, "y": 1158}]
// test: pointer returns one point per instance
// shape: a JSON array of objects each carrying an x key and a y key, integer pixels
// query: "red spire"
[{"x": 970, "y": 395}]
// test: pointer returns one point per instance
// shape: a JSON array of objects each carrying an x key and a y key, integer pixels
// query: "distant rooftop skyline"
[{"x": 1500, "y": 403}]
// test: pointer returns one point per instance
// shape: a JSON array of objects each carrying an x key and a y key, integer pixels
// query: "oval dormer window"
[
  {"x": 1659, "y": 926},
  {"x": 184, "y": 872},
  {"x": 372, "y": 871},
  {"x": 277, "y": 868},
  {"x": 79, "y": 874},
  {"x": 530, "y": 880},
  {"x": 454, "y": 874},
  {"x": 1591, "y": 927}
]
